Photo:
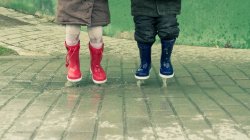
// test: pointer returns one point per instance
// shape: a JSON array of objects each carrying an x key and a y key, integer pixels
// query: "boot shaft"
[
  {"x": 98, "y": 73},
  {"x": 96, "y": 54},
  {"x": 166, "y": 68},
  {"x": 145, "y": 53},
  {"x": 72, "y": 57},
  {"x": 73, "y": 63},
  {"x": 167, "y": 48}
]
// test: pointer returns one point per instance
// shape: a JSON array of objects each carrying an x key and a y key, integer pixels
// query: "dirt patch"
[
  {"x": 9, "y": 22},
  {"x": 125, "y": 35}
]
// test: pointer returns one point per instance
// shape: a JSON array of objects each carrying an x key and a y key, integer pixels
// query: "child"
[
  {"x": 94, "y": 15},
  {"x": 151, "y": 18}
]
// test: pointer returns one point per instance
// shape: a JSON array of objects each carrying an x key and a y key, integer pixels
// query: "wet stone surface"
[
  {"x": 208, "y": 99},
  {"x": 35, "y": 104}
]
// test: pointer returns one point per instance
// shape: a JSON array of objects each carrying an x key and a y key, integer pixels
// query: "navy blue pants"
[{"x": 146, "y": 28}]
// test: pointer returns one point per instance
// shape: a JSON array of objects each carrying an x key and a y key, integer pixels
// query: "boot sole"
[
  {"x": 74, "y": 80},
  {"x": 97, "y": 82},
  {"x": 142, "y": 78},
  {"x": 166, "y": 76}
]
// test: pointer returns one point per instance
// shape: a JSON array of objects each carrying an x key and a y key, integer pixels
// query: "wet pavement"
[{"x": 209, "y": 97}]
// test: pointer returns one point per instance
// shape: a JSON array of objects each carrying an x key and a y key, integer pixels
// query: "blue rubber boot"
[
  {"x": 166, "y": 69},
  {"x": 142, "y": 72}
]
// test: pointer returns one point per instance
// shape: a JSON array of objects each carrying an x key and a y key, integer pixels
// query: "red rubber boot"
[
  {"x": 73, "y": 63},
  {"x": 98, "y": 74}
]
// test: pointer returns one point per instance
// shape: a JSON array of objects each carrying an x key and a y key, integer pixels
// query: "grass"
[
  {"x": 31, "y": 7},
  {"x": 209, "y": 23},
  {"x": 6, "y": 51}
]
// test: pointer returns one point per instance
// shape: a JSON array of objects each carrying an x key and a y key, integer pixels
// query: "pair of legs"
[
  {"x": 73, "y": 33},
  {"x": 146, "y": 28},
  {"x": 96, "y": 47}
]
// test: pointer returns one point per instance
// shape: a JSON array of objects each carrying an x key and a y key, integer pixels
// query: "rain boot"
[
  {"x": 143, "y": 71},
  {"x": 98, "y": 74},
  {"x": 73, "y": 63},
  {"x": 166, "y": 68}
]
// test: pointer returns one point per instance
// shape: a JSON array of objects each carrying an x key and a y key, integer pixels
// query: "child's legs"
[
  {"x": 95, "y": 36},
  {"x": 167, "y": 27},
  {"x": 72, "y": 34},
  {"x": 145, "y": 33},
  {"x": 145, "y": 30}
]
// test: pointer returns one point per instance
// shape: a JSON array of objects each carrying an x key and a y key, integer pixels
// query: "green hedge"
[
  {"x": 31, "y": 6},
  {"x": 223, "y": 23}
]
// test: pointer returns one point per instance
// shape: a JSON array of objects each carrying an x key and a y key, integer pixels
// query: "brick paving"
[{"x": 209, "y": 98}]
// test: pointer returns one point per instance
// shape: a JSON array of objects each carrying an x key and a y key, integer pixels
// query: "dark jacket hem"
[{"x": 155, "y": 15}]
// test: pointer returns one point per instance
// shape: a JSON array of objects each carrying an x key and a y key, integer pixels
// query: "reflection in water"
[
  {"x": 91, "y": 95},
  {"x": 72, "y": 95},
  {"x": 71, "y": 98},
  {"x": 96, "y": 92}
]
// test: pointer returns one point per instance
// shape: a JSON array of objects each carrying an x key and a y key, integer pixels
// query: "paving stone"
[
  {"x": 82, "y": 124},
  {"x": 79, "y": 136},
  {"x": 109, "y": 130},
  {"x": 138, "y": 124},
  {"x": 45, "y": 135},
  {"x": 136, "y": 107},
  {"x": 19, "y": 136}
]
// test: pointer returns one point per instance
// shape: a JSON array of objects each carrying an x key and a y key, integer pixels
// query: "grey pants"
[{"x": 146, "y": 28}]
